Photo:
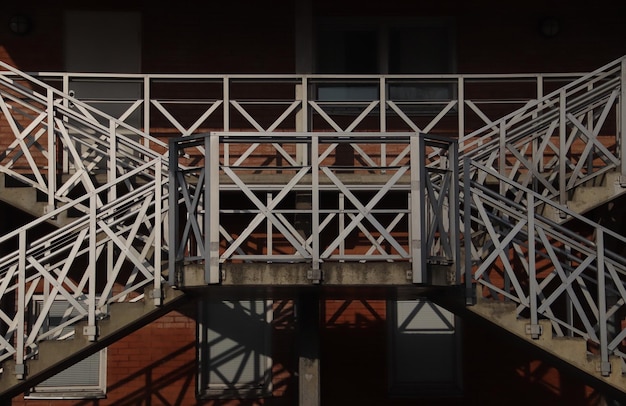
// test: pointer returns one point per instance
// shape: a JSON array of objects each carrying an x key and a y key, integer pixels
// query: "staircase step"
[
  {"x": 54, "y": 356},
  {"x": 25, "y": 199},
  {"x": 589, "y": 196}
]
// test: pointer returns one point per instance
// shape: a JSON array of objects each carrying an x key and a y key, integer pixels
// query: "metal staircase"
[
  {"x": 106, "y": 258},
  {"x": 561, "y": 287},
  {"x": 521, "y": 173}
]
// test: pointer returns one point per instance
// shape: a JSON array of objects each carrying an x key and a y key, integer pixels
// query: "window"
[
  {"x": 105, "y": 41},
  {"x": 423, "y": 350},
  {"x": 84, "y": 379},
  {"x": 385, "y": 46},
  {"x": 234, "y": 349}
]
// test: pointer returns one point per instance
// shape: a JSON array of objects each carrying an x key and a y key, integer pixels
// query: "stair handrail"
[
  {"x": 512, "y": 136},
  {"x": 41, "y": 265},
  {"x": 59, "y": 114},
  {"x": 579, "y": 262}
]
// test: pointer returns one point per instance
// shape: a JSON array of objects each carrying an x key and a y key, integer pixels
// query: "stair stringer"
[
  {"x": 54, "y": 356},
  {"x": 586, "y": 197},
  {"x": 570, "y": 354}
]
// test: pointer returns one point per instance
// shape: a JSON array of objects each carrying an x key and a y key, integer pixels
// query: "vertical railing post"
[
  {"x": 383, "y": 119},
  {"x": 90, "y": 330},
  {"x": 112, "y": 192},
  {"x": 302, "y": 119},
  {"x": 535, "y": 328},
  {"x": 605, "y": 365},
  {"x": 269, "y": 229},
  {"x": 461, "y": 107},
  {"x": 173, "y": 211},
  {"x": 342, "y": 223},
  {"x": 146, "y": 108},
  {"x": 52, "y": 152},
  {"x": 502, "y": 156},
  {"x": 20, "y": 369},
  {"x": 621, "y": 122},
  {"x": 417, "y": 213},
  {"x": 470, "y": 298},
  {"x": 226, "y": 117},
  {"x": 65, "y": 155},
  {"x": 212, "y": 209},
  {"x": 453, "y": 201},
  {"x": 315, "y": 274},
  {"x": 158, "y": 237},
  {"x": 562, "y": 150}
]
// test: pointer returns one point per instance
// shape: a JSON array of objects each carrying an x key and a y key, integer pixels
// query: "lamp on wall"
[
  {"x": 20, "y": 24},
  {"x": 549, "y": 27}
]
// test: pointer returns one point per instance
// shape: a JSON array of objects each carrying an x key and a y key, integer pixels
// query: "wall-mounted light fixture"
[
  {"x": 549, "y": 27},
  {"x": 20, "y": 24}
]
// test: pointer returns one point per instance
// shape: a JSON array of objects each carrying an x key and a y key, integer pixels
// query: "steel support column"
[{"x": 308, "y": 319}]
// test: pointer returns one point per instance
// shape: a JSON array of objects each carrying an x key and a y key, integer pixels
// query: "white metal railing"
[
  {"x": 80, "y": 147},
  {"x": 112, "y": 254},
  {"x": 562, "y": 140},
  {"x": 288, "y": 211},
  {"x": 574, "y": 280},
  {"x": 184, "y": 104},
  {"x": 87, "y": 162},
  {"x": 62, "y": 146}
]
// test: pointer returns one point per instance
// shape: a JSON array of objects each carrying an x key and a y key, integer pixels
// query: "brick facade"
[{"x": 156, "y": 365}]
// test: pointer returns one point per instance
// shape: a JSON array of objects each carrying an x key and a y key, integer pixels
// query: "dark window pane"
[
  {"x": 419, "y": 50},
  {"x": 351, "y": 52}
]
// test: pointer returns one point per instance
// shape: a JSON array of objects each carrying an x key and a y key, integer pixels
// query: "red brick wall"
[{"x": 156, "y": 365}]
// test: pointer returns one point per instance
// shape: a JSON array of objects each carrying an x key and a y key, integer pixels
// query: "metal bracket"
[
  {"x": 314, "y": 275},
  {"x": 534, "y": 330},
  {"x": 604, "y": 367},
  {"x": 157, "y": 296},
  {"x": 91, "y": 332},
  {"x": 20, "y": 371},
  {"x": 470, "y": 296}
]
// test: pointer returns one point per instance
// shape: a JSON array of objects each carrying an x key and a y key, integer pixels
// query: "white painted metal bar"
[
  {"x": 417, "y": 218},
  {"x": 212, "y": 220},
  {"x": 316, "y": 275}
]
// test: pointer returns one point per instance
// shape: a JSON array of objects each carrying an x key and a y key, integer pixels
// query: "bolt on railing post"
[{"x": 605, "y": 365}]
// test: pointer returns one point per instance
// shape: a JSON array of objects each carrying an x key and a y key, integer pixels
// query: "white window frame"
[
  {"x": 222, "y": 390},
  {"x": 400, "y": 327},
  {"x": 78, "y": 391}
]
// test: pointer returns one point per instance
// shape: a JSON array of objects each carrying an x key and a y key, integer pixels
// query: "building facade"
[{"x": 352, "y": 343}]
